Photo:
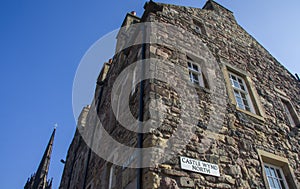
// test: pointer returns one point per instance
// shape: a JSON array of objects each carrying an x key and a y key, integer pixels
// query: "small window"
[
  {"x": 290, "y": 113},
  {"x": 241, "y": 93},
  {"x": 199, "y": 27},
  {"x": 195, "y": 73},
  {"x": 276, "y": 171},
  {"x": 275, "y": 177}
]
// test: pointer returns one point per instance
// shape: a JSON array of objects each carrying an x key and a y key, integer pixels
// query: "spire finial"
[{"x": 55, "y": 125}]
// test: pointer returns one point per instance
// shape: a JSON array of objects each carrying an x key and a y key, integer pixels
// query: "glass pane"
[
  {"x": 276, "y": 183},
  {"x": 237, "y": 95},
  {"x": 282, "y": 184},
  {"x": 271, "y": 182},
  {"x": 195, "y": 77},
  {"x": 233, "y": 77},
  {"x": 288, "y": 113},
  {"x": 241, "y": 105},
  {"x": 248, "y": 108},
  {"x": 245, "y": 102},
  {"x": 267, "y": 169},
  {"x": 189, "y": 65},
  {"x": 195, "y": 67},
  {"x": 278, "y": 173},
  {"x": 239, "y": 100},
  {"x": 241, "y": 84},
  {"x": 242, "y": 87},
  {"x": 273, "y": 174},
  {"x": 243, "y": 95},
  {"x": 236, "y": 84}
]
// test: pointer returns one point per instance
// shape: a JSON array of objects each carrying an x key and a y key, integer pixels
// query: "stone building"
[
  {"x": 39, "y": 179},
  {"x": 226, "y": 110}
]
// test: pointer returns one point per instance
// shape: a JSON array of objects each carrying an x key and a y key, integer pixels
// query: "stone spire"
[{"x": 39, "y": 179}]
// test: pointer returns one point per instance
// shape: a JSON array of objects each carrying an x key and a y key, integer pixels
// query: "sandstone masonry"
[{"x": 247, "y": 107}]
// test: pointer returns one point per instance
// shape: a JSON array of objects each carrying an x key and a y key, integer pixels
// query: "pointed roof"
[
  {"x": 42, "y": 172},
  {"x": 39, "y": 179}
]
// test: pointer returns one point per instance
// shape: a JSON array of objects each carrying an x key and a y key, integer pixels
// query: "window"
[
  {"x": 199, "y": 27},
  {"x": 290, "y": 113},
  {"x": 275, "y": 177},
  {"x": 276, "y": 171},
  {"x": 195, "y": 73},
  {"x": 241, "y": 93}
]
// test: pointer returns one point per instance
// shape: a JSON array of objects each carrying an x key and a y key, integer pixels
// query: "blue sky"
[{"x": 42, "y": 43}]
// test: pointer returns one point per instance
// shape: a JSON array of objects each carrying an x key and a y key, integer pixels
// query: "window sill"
[
  {"x": 198, "y": 87},
  {"x": 251, "y": 114}
]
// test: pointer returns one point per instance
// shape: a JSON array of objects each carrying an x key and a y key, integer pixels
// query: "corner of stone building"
[{"x": 219, "y": 9}]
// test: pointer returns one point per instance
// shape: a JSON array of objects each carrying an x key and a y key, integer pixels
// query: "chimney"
[
  {"x": 297, "y": 77},
  {"x": 133, "y": 13}
]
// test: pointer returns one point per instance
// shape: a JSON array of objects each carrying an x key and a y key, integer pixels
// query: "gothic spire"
[{"x": 39, "y": 180}]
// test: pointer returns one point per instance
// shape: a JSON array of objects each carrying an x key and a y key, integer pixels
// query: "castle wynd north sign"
[{"x": 199, "y": 166}]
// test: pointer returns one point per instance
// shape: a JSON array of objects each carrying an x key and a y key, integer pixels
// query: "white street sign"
[{"x": 199, "y": 166}]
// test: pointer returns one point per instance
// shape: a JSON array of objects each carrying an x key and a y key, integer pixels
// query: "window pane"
[
  {"x": 242, "y": 97},
  {"x": 267, "y": 169},
  {"x": 276, "y": 183},
  {"x": 247, "y": 108},
  {"x": 241, "y": 83},
  {"x": 271, "y": 182},
  {"x": 288, "y": 113},
  {"x": 278, "y": 173},
  {"x": 242, "y": 87},
  {"x": 195, "y": 67},
  {"x": 233, "y": 77},
  {"x": 272, "y": 171},
  {"x": 275, "y": 177},
  {"x": 237, "y": 93},
  {"x": 245, "y": 102},
  {"x": 282, "y": 184},
  {"x": 195, "y": 77},
  {"x": 236, "y": 84},
  {"x": 239, "y": 99}
]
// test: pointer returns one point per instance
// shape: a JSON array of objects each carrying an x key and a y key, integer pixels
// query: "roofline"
[{"x": 209, "y": 1}]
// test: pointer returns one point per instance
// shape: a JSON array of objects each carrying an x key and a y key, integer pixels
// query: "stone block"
[{"x": 186, "y": 182}]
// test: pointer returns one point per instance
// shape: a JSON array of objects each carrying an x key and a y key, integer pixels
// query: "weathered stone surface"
[
  {"x": 232, "y": 142},
  {"x": 186, "y": 182},
  {"x": 168, "y": 183}
]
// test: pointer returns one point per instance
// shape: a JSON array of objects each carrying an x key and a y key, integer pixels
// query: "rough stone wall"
[
  {"x": 72, "y": 177},
  {"x": 234, "y": 147}
]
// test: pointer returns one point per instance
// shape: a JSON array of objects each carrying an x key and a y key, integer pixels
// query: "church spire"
[{"x": 39, "y": 179}]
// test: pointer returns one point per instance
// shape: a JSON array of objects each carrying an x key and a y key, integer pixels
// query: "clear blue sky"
[{"x": 42, "y": 43}]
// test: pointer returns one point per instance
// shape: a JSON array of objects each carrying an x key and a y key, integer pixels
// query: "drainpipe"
[
  {"x": 92, "y": 140},
  {"x": 141, "y": 112}
]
